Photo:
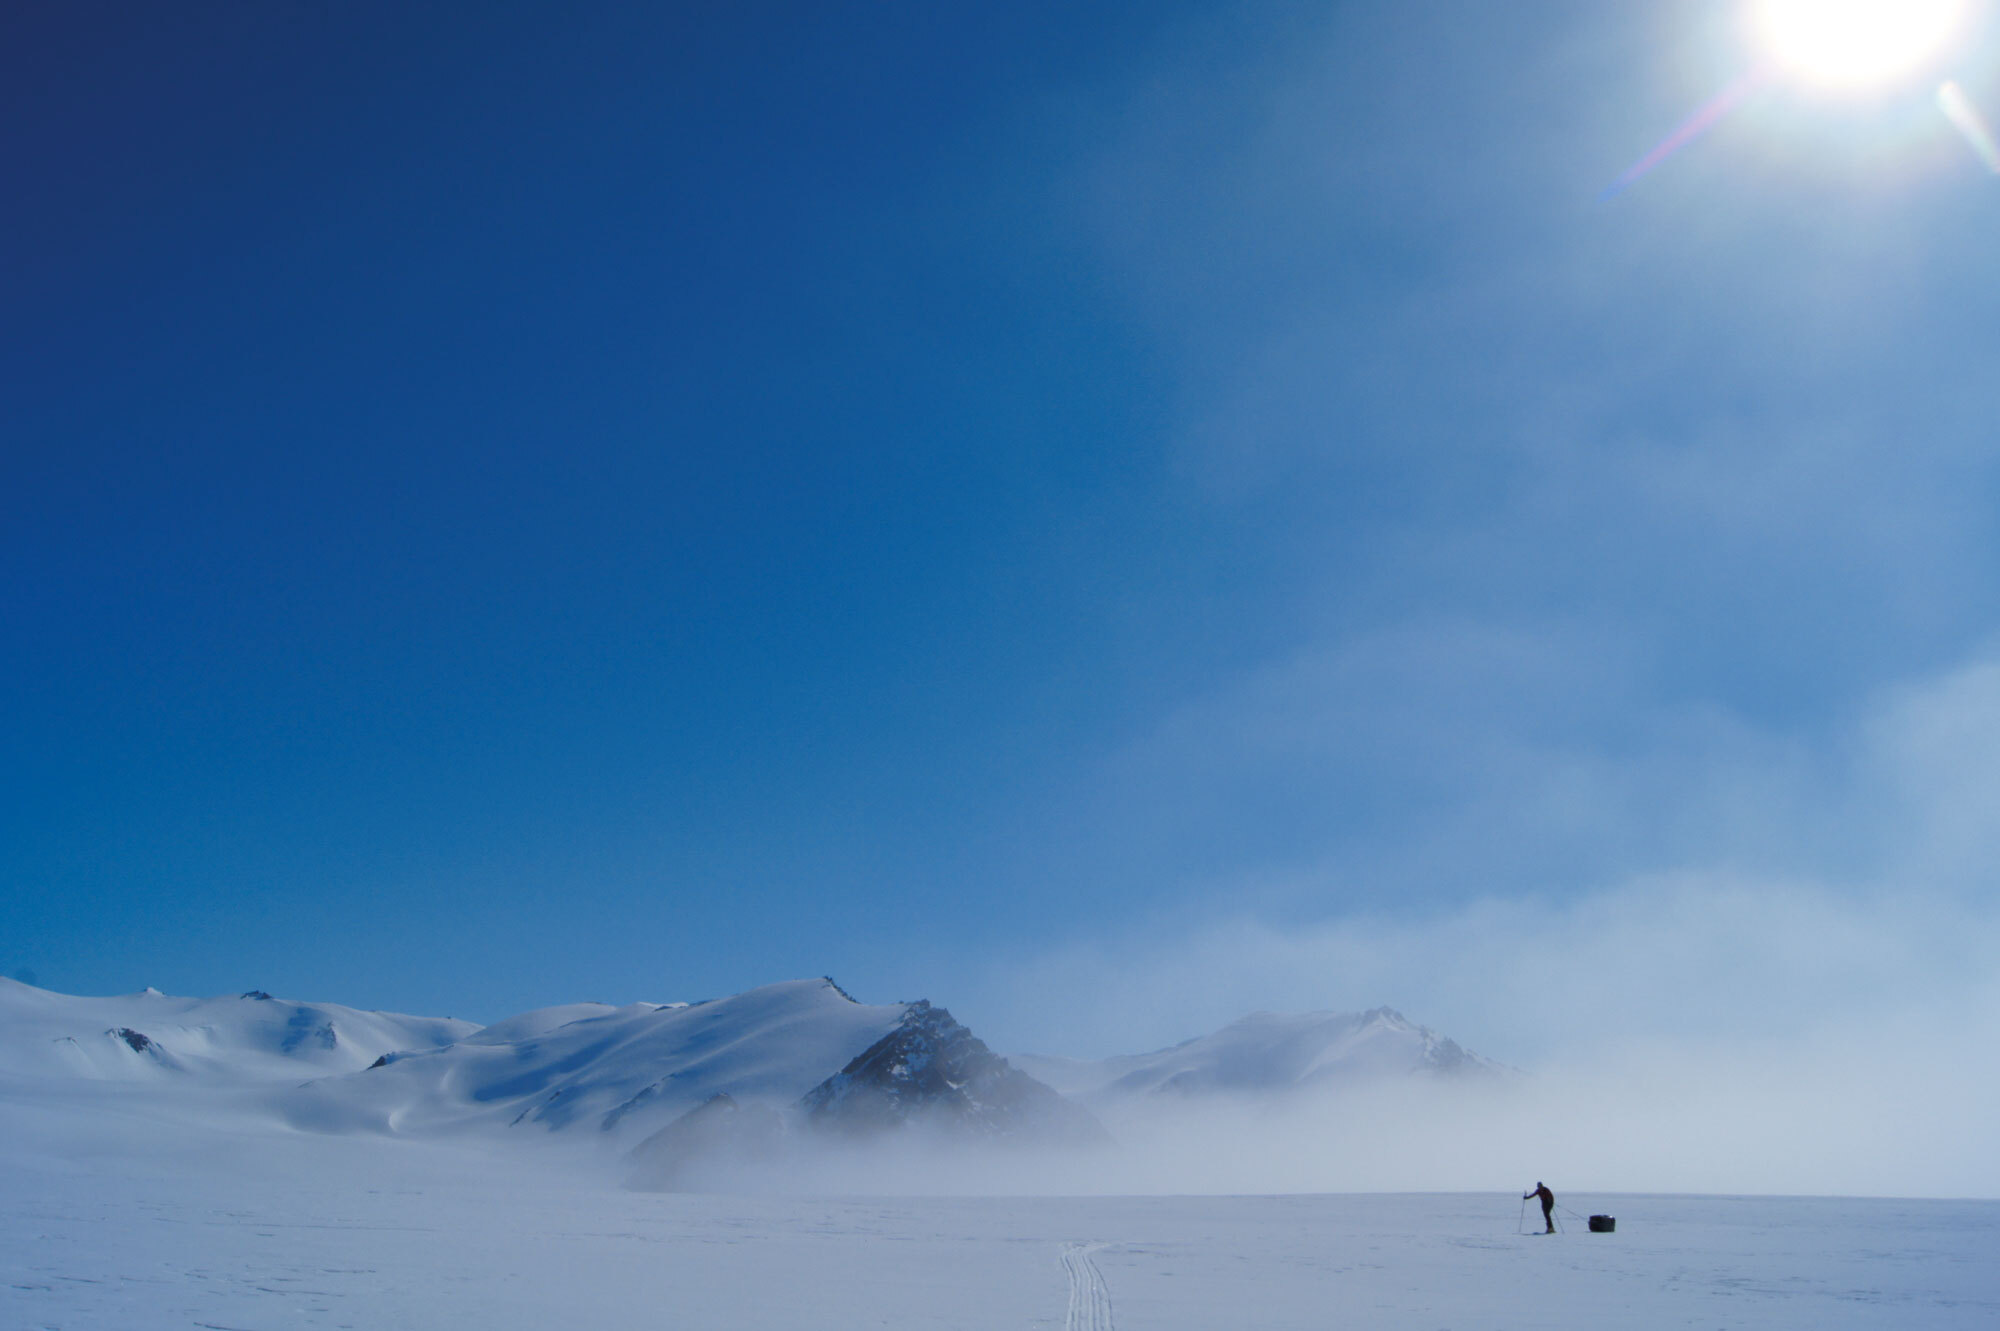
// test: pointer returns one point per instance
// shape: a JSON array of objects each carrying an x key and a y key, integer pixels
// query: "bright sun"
[{"x": 1856, "y": 43}]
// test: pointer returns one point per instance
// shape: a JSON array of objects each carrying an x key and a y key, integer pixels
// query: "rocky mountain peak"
[{"x": 932, "y": 1070}]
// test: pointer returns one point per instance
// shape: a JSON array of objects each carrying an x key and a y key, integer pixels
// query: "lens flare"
[
  {"x": 1856, "y": 44},
  {"x": 1699, "y": 123},
  {"x": 1958, "y": 109}
]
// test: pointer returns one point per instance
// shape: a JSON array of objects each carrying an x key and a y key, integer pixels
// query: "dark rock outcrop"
[
  {"x": 932, "y": 1071},
  {"x": 309, "y": 1027}
]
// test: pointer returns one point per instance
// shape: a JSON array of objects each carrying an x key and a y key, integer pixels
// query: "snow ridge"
[
  {"x": 618, "y": 1072},
  {"x": 233, "y": 1039},
  {"x": 1267, "y": 1054}
]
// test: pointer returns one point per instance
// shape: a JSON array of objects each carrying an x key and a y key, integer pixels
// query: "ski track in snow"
[{"x": 1089, "y": 1296}]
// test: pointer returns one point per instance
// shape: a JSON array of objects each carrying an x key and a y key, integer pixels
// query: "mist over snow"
[
  {"x": 1746, "y": 1022},
  {"x": 1795, "y": 993},
  {"x": 796, "y": 1088}
]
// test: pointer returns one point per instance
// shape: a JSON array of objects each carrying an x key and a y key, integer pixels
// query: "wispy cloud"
[
  {"x": 1633, "y": 710},
  {"x": 1792, "y": 993},
  {"x": 1662, "y": 958}
]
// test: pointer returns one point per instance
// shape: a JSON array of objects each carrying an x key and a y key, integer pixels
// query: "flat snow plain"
[{"x": 129, "y": 1220}]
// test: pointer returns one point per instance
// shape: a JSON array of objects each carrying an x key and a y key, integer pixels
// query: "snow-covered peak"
[
  {"x": 931, "y": 1069},
  {"x": 540, "y": 1021},
  {"x": 927, "y": 1083},
  {"x": 1267, "y": 1053},
  {"x": 625, "y": 1070},
  {"x": 234, "y": 1038}
]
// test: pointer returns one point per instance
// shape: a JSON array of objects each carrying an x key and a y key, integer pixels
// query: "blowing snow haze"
[
  {"x": 787, "y": 1087},
  {"x": 798, "y": 1088}
]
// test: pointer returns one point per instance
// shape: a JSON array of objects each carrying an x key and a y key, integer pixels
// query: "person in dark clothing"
[{"x": 1548, "y": 1204}]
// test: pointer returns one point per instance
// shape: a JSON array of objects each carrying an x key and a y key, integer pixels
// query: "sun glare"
[{"x": 1856, "y": 43}]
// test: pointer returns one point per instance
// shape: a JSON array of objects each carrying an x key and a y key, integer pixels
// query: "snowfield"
[
  {"x": 238, "y": 1038},
  {"x": 127, "y": 1217},
  {"x": 248, "y": 1163}
]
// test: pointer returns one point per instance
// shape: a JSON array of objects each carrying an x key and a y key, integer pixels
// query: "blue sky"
[{"x": 1101, "y": 515}]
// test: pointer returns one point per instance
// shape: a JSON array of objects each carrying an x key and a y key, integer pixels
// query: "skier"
[{"x": 1548, "y": 1203}]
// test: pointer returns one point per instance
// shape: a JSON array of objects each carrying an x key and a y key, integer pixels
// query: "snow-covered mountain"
[
  {"x": 1266, "y": 1054},
  {"x": 928, "y": 1081},
  {"x": 626, "y": 1071},
  {"x": 236, "y": 1039},
  {"x": 804, "y": 1048},
  {"x": 778, "y": 1076},
  {"x": 933, "y": 1071}
]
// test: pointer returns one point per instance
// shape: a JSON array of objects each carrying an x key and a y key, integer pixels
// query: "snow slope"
[
  {"x": 620, "y": 1075},
  {"x": 1263, "y": 1055},
  {"x": 233, "y": 1040},
  {"x": 614, "y": 1075},
  {"x": 622, "y": 1071},
  {"x": 110, "y": 1225}
]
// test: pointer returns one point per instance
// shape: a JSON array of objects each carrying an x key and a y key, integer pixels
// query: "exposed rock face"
[
  {"x": 309, "y": 1026},
  {"x": 139, "y": 1041},
  {"x": 931, "y": 1070}
]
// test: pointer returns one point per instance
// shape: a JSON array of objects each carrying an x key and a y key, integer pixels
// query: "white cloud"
[
  {"x": 1703, "y": 1025},
  {"x": 1629, "y": 545},
  {"x": 1658, "y": 958}
]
